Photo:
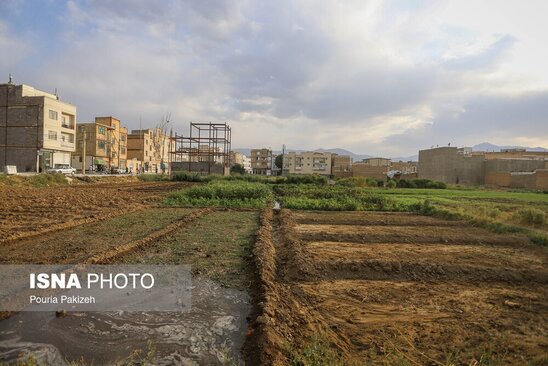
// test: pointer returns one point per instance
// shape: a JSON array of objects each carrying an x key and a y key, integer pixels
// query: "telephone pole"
[{"x": 84, "y": 153}]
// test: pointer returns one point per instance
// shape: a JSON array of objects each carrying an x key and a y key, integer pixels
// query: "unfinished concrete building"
[
  {"x": 37, "y": 130},
  {"x": 205, "y": 150},
  {"x": 261, "y": 161}
]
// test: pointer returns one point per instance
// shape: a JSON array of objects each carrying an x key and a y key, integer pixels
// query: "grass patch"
[
  {"x": 316, "y": 352},
  {"x": 36, "y": 180},
  {"x": 236, "y": 194},
  {"x": 337, "y": 198},
  {"x": 216, "y": 246}
]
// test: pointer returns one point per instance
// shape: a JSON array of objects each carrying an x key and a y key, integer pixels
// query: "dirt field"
[
  {"x": 26, "y": 211},
  {"x": 398, "y": 289},
  {"x": 214, "y": 243}
]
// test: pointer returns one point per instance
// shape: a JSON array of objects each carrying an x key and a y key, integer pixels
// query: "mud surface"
[
  {"x": 211, "y": 333},
  {"x": 401, "y": 289},
  {"x": 26, "y": 211}
]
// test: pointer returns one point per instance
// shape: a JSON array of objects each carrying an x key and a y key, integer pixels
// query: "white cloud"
[{"x": 375, "y": 76}]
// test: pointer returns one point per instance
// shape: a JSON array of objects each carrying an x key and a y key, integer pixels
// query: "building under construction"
[{"x": 206, "y": 150}]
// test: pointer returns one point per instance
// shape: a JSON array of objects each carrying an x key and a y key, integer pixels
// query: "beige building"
[
  {"x": 37, "y": 129},
  {"x": 309, "y": 162},
  {"x": 105, "y": 142},
  {"x": 236, "y": 158},
  {"x": 151, "y": 147},
  {"x": 261, "y": 161}
]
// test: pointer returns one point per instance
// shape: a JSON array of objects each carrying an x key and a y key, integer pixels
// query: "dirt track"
[
  {"x": 28, "y": 211},
  {"x": 401, "y": 293}
]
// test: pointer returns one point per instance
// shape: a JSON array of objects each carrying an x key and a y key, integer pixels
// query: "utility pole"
[
  {"x": 283, "y": 154},
  {"x": 84, "y": 153}
]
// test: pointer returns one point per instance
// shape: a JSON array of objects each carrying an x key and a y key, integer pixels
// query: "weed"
[
  {"x": 531, "y": 216},
  {"x": 47, "y": 180},
  {"x": 317, "y": 352}
]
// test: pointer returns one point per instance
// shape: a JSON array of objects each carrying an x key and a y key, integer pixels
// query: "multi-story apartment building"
[
  {"x": 152, "y": 147},
  {"x": 309, "y": 162},
  {"x": 261, "y": 161},
  {"x": 37, "y": 129},
  {"x": 105, "y": 142}
]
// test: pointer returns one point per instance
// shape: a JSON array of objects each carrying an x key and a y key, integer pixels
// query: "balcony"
[{"x": 67, "y": 144}]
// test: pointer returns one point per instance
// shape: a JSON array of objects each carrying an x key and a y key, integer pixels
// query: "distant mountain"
[{"x": 486, "y": 146}]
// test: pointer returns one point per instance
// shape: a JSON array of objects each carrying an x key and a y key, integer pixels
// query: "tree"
[
  {"x": 279, "y": 161},
  {"x": 237, "y": 169}
]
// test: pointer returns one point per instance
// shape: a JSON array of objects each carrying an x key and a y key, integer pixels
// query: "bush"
[
  {"x": 421, "y": 183},
  {"x": 306, "y": 179},
  {"x": 391, "y": 184},
  {"x": 352, "y": 182},
  {"x": 190, "y": 177},
  {"x": 531, "y": 216},
  {"x": 237, "y": 169},
  {"x": 372, "y": 182}
]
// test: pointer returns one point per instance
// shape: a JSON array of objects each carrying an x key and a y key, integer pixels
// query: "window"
[
  {"x": 101, "y": 145},
  {"x": 123, "y": 138},
  {"x": 122, "y": 150},
  {"x": 101, "y": 130},
  {"x": 53, "y": 115},
  {"x": 52, "y": 135}
]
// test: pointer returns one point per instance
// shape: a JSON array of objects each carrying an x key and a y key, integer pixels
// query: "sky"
[{"x": 384, "y": 78}]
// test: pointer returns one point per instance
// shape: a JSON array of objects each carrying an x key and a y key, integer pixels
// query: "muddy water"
[{"x": 212, "y": 332}]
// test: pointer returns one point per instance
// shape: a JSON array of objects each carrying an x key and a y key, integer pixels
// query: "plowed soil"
[
  {"x": 26, "y": 211},
  {"x": 400, "y": 289}
]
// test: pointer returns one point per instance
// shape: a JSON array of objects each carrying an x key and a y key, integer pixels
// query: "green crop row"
[{"x": 223, "y": 194}]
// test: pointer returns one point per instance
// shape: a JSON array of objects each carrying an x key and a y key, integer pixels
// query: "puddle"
[{"x": 212, "y": 332}]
